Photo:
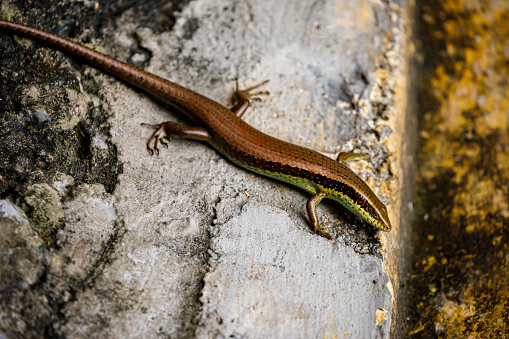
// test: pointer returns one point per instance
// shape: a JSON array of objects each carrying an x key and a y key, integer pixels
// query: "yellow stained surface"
[{"x": 459, "y": 285}]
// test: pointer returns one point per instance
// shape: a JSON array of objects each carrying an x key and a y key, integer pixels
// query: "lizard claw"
[
  {"x": 323, "y": 233},
  {"x": 159, "y": 136},
  {"x": 246, "y": 93}
]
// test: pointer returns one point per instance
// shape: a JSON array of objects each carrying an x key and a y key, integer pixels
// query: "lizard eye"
[{"x": 372, "y": 212}]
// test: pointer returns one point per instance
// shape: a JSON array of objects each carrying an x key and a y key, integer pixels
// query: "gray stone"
[
  {"x": 269, "y": 280},
  {"x": 190, "y": 245}
]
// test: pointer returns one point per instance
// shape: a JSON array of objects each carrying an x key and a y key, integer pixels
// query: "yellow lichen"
[{"x": 465, "y": 163}]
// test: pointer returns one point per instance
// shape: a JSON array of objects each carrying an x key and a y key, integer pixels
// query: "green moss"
[{"x": 45, "y": 210}]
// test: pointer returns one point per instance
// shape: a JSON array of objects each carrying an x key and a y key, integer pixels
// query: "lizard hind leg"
[
  {"x": 168, "y": 128},
  {"x": 243, "y": 97}
]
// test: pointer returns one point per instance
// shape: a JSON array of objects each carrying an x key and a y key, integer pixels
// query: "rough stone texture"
[
  {"x": 269, "y": 280},
  {"x": 152, "y": 254},
  {"x": 24, "y": 264}
]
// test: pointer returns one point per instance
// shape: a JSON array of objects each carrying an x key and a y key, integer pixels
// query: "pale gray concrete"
[
  {"x": 269, "y": 280},
  {"x": 189, "y": 245}
]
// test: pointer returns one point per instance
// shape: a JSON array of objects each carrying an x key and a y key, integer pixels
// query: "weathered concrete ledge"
[{"x": 185, "y": 244}]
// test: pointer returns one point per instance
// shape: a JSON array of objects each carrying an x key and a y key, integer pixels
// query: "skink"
[{"x": 224, "y": 130}]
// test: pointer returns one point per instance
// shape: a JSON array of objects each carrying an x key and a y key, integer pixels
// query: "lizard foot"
[{"x": 159, "y": 136}]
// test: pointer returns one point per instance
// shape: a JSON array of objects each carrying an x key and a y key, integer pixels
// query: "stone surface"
[
  {"x": 458, "y": 287},
  {"x": 181, "y": 244},
  {"x": 269, "y": 280}
]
